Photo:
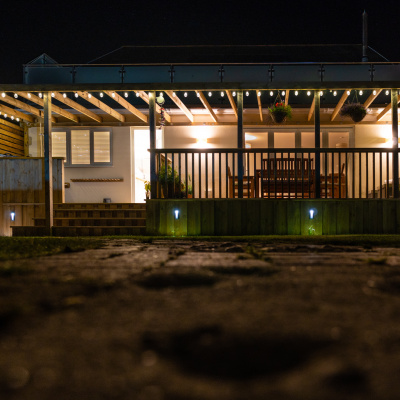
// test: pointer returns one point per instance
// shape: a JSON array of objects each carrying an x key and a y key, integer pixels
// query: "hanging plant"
[
  {"x": 355, "y": 111},
  {"x": 280, "y": 112}
]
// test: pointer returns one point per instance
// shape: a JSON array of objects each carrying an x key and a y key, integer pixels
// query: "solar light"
[
  {"x": 176, "y": 213},
  {"x": 311, "y": 213},
  {"x": 12, "y": 216}
]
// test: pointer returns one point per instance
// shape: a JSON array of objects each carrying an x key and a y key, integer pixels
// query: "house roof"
[{"x": 223, "y": 54}]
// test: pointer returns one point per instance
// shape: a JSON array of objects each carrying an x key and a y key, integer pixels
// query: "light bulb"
[
  {"x": 348, "y": 93},
  {"x": 101, "y": 94},
  {"x": 234, "y": 94},
  {"x": 17, "y": 119},
  {"x": 29, "y": 95},
  {"x": 308, "y": 93},
  {"x": 374, "y": 92},
  {"x": 222, "y": 94},
  {"x": 126, "y": 94},
  {"x": 209, "y": 94},
  {"x": 335, "y": 93},
  {"x": 296, "y": 93},
  {"x": 12, "y": 117},
  {"x": 52, "y": 94},
  {"x": 185, "y": 94},
  {"x": 89, "y": 95},
  {"x": 65, "y": 95},
  {"x": 5, "y": 115},
  {"x": 283, "y": 92},
  {"x": 387, "y": 92},
  {"x": 76, "y": 94},
  {"x": 40, "y": 95},
  {"x": 247, "y": 93},
  {"x": 321, "y": 93},
  {"x": 15, "y": 95},
  {"x": 3, "y": 95},
  {"x": 137, "y": 94},
  {"x": 361, "y": 92},
  {"x": 271, "y": 93},
  {"x": 258, "y": 93},
  {"x": 198, "y": 94},
  {"x": 113, "y": 94}
]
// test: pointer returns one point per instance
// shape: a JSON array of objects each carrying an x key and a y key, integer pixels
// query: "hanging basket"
[
  {"x": 280, "y": 112},
  {"x": 355, "y": 111}
]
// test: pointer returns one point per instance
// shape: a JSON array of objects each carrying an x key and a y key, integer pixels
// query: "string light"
[
  {"x": 101, "y": 94},
  {"x": 308, "y": 93},
  {"x": 321, "y": 93},
  {"x": 185, "y": 94},
  {"x": 12, "y": 117},
  {"x": 222, "y": 94},
  {"x": 247, "y": 93},
  {"x": 296, "y": 93},
  {"x": 361, "y": 92},
  {"x": 283, "y": 92},
  {"x": 258, "y": 93},
  {"x": 52, "y": 94},
  {"x": 126, "y": 94},
  {"x": 234, "y": 94},
  {"x": 5, "y": 115},
  {"x": 29, "y": 95},
  {"x": 209, "y": 94},
  {"x": 65, "y": 95},
  {"x": 40, "y": 95},
  {"x": 113, "y": 94},
  {"x": 17, "y": 119},
  {"x": 15, "y": 95},
  {"x": 271, "y": 93},
  {"x": 76, "y": 94},
  {"x": 198, "y": 94},
  {"x": 387, "y": 92},
  {"x": 89, "y": 95},
  {"x": 348, "y": 93},
  {"x": 374, "y": 92},
  {"x": 335, "y": 93},
  {"x": 137, "y": 94},
  {"x": 3, "y": 95}
]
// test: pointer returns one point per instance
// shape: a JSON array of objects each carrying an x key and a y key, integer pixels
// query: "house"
[{"x": 200, "y": 115}]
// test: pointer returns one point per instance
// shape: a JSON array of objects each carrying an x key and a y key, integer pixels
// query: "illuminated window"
[{"x": 83, "y": 147}]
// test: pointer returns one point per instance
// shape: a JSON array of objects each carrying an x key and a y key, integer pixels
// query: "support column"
[
  {"x": 317, "y": 128},
  {"x": 152, "y": 126},
  {"x": 48, "y": 164},
  {"x": 240, "y": 142},
  {"x": 395, "y": 142}
]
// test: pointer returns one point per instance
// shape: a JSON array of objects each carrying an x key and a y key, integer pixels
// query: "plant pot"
[
  {"x": 357, "y": 116},
  {"x": 279, "y": 116}
]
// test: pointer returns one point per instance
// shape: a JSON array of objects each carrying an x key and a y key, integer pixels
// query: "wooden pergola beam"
[
  {"x": 104, "y": 107},
  {"x": 58, "y": 96},
  {"x": 58, "y": 110},
  {"x": 206, "y": 104},
  {"x": 371, "y": 98},
  {"x": 312, "y": 108},
  {"x": 339, "y": 105},
  {"x": 287, "y": 97},
  {"x": 259, "y": 106},
  {"x": 17, "y": 114},
  {"x": 232, "y": 101},
  {"x": 384, "y": 112},
  {"x": 20, "y": 104},
  {"x": 120, "y": 100},
  {"x": 180, "y": 104},
  {"x": 143, "y": 95}
]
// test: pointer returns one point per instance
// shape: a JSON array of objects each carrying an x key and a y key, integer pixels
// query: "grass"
[{"x": 28, "y": 247}]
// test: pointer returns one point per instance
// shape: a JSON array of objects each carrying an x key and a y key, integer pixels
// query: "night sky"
[{"x": 80, "y": 31}]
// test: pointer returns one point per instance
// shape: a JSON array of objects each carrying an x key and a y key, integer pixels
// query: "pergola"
[{"x": 65, "y": 94}]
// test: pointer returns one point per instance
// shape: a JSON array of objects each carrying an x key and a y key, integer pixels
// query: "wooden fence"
[{"x": 22, "y": 190}]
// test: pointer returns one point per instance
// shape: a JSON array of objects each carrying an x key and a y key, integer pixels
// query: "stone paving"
[{"x": 196, "y": 320}]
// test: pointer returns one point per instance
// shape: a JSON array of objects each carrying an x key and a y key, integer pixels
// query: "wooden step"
[
  {"x": 79, "y": 230},
  {"x": 99, "y": 206},
  {"x": 140, "y": 222},
  {"x": 96, "y": 213}
]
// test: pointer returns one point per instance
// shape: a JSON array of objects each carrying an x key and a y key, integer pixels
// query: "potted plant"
[
  {"x": 355, "y": 111},
  {"x": 147, "y": 188},
  {"x": 280, "y": 112},
  {"x": 171, "y": 185}
]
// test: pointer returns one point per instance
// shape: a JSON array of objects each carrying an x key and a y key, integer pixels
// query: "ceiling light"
[
  {"x": 296, "y": 93},
  {"x": 126, "y": 94},
  {"x": 308, "y": 93},
  {"x": 247, "y": 93},
  {"x": 283, "y": 92},
  {"x": 15, "y": 95}
]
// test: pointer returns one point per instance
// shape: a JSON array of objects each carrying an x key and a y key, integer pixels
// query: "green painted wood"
[
  {"x": 280, "y": 220},
  {"x": 180, "y": 223},
  {"x": 311, "y": 226},
  {"x": 389, "y": 216},
  {"x": 342, "y": 217},
  {"x": 267, "y": 216},
  {"x": 294, "y": 217},
  {"x": 235, "y": 212},
  {"x": 356, "y": 216},
  {"x": 193, "y": 218},
  {"x": 329, "y": 218},
  {"x": 221, "y": 217},
  {"x": 163, "y": 218},
  {"x": 207, "y": 217},
  {"x": 251, "y": 216}
]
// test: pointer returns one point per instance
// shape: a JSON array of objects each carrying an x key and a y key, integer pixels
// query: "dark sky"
[{"x": 79, "y": 31}]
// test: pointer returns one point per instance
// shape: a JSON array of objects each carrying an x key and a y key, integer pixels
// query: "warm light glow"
[
  {"x": 308, "y": 93},
  {"x": 258, "y": 93},
  {"x": 76, "y": 94},
  {"x": 185, "y": 94},
  {"x": 234, "y": 94},
  {"x": 222, "y": 94},
  {"x": 3, "y": 95},
  {"x": 65, "y": 95},
  {"x": 52, "y": 94},
  {"x": 101, "y": 94},
  {"x": 113, "y": 94},
  {"x": 296, "y": 93},
  {"x": 361, "y": 92},
  {"x": 202, "y": 141},
  {"x": 387, "y": 92},
  {"x": 89, "y": 95}
]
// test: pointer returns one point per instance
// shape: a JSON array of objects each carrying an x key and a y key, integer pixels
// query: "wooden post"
[
  {"x": 48, "y": 163},
  {"x": 395, "y": 145},
  {"x": 240, "y": 142},
  {"x": 152, "y": 126},
  {"x": 317, "y": 128}
]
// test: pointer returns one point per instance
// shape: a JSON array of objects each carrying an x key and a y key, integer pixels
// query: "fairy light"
[
  {"x": 258, "y": 93},
  {"x": 234, "y": 94},
  {"x": 348, "y": 93},
  {"x": 126, "y": 94},
  {"x": 185, "y": 94},
  {"x": 101, "y": 94},
  {"x": 209, "y": 94},
  {"x": 15, "y": 95},
  {"x": 247, "y": 93},
  {"x": 283, "y": 92},
  {"x": 76, "y": 94},
  {"x": 361, "y": 92},
  {"x": 308, "y": 93},
  {"x": 271, "y": 93},
  {"x": 374, "y": 92},
  {"x": 335, "y": 93},
  {"x": 296, "y": 93},
  {"x": 29, "y": 95},
  {"x": 40, "y": 95},
  {"x": 222, "y": 94}
]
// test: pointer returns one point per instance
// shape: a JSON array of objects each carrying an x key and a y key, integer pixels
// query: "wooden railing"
[{"x": 276, "y": 173}]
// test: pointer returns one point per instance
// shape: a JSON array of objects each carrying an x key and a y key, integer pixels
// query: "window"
[{"x": 83, "y": 147}]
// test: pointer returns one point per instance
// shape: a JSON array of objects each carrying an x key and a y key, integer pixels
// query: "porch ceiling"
[{"x": 190, "y": 107}]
